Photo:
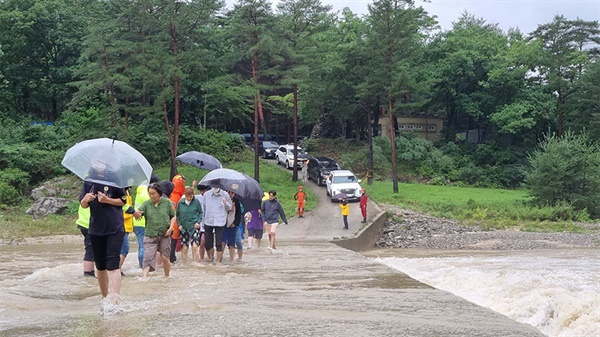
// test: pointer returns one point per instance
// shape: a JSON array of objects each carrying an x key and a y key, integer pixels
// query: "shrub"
[
  {"x": 8, "y": 194},
  {"x": 566, "y": 171},
  {"x": 16, "y": 178}
]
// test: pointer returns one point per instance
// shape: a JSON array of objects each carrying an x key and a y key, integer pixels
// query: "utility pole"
[
  {"x": 295, "y": 169},
  {"x": 370, "y": 133},
  {"x": 393, "y": 143}
]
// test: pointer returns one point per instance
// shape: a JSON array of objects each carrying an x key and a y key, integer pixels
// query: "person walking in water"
[
  {"x": 83, "y": 223},
  {"x": 363, "y": 205},
  {"x": 216, "y": 204},
  {"x": 105, "y": 231},
  {"x": 345, "y": 211},
  {"x": 189, "y": 216},
  {"x": 160, "y": 221},
  {"x": 271, "y": 211},
  {"x": 300, "y": 198}
]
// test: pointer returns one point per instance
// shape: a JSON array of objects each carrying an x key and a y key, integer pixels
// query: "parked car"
[
  {"x": 285, "y": 156},
  {"x": 342, "y": 183},
  {"x": 267, "y": 149},
  {"x": 319, "y": 168}
]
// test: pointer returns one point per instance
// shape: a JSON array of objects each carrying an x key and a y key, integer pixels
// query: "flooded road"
[{"x": 304, "y": 289}]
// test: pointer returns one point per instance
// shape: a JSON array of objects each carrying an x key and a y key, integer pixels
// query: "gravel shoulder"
[{"x": 422, "y": 231}]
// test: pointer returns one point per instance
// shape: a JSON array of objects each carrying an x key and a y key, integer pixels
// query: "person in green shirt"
[
  {"x": 189, "y": 216},
  {"x": 160, "y": 219}
]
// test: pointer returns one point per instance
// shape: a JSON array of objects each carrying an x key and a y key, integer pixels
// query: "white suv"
[
  {"x": 285, "y": 156},
  {"x": 343, "y": 183}
]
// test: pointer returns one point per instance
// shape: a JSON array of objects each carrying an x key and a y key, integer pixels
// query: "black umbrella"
[
  {"x": 245, "y": 187},
  {"x": 339, "y": 196},
  {"x": 200, "y": 160},
  {"x": 254, "y": 200}
]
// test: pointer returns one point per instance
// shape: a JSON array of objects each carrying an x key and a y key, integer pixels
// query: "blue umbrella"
[{"x": 108, "y": 161}]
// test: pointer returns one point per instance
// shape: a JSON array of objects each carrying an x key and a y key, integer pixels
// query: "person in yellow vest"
[
  {"x": 128, "y": 211},
  {"x": 83, "y": 223},
  {"x": 345, "y": 211},
  {"x": 139, "y": 226}
]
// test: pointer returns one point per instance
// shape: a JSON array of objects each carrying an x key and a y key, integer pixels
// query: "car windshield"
[
  {"x": 300, "y": 151},
  {"x": 328, "y": 165},
  {"x": 270, "y": 144},
  {"x": 343, "y": 179}
]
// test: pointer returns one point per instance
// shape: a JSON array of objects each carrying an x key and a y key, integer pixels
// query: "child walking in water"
[{"x": 345, "y": 211}]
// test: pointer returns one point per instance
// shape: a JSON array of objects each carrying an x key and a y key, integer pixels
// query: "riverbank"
[{"x": 422, "y": 231}]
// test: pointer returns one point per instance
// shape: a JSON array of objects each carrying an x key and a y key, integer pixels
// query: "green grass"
[
  {"x": 486, "y": 207},
  {"x": 16, "y": 225}
]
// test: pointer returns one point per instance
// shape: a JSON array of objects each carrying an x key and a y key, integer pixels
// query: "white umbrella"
[{"x": 108, "y": 161}]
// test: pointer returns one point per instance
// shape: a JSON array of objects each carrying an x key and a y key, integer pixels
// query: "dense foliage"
[{"x": 171, "y": 76}]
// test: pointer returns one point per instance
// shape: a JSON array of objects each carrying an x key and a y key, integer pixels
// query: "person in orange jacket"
[
  {"x": 300, "y": 198},
  {"x": 178, "y": 192}
]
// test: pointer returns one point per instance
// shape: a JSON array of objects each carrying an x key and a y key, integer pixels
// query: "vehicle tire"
[
  {"x": 319, "y": 181},
  {"x": 287, "y": 164},
  {"x": 327, "y": 191}
]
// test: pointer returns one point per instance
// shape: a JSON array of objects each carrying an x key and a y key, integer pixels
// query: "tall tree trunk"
[{"x": 175, "y": 138}]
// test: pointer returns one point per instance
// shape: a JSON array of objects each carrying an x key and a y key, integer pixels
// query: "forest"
[{"x": 169, "y": 76}]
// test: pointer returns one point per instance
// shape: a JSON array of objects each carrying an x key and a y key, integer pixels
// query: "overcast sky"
[{"x": 525, "y": 14}]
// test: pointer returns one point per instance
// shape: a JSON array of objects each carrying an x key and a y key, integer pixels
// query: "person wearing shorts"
[
  {"x": 255, "y": 227},
  {"x": 189, "y": 215},
  {"x": 233, "y": 219},
  {"x": 83, "y": 223},
  {"x": 105, "y": 230},
  {"x": 216, "y": 203},
  {"x": 160, "y": 221},
  {"x": 271, "y": 211},
  {"x": 200, "y": 196}
]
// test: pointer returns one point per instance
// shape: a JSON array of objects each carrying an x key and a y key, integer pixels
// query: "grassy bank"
[{"x": 489, "y": 208}]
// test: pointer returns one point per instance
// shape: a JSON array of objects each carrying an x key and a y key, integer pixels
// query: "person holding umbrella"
[
  {"x": 106, "y": 229},
  {"x": 216, "y": 203},
  {"x": 271, "y": 211}
]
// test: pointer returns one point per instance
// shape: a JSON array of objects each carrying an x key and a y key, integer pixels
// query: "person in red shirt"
[
  {"x": 301, "y": 198},
  {"x": 363, "y": 205}
]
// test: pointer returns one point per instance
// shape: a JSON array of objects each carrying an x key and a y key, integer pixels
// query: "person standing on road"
[
  {"x": 305, "y": 171},
  {"x": 363, "y": 205},
  {"x": 345, "y": 211},
  {"x": 271, "y": 211},
  {"x": 300, "y": 198}
]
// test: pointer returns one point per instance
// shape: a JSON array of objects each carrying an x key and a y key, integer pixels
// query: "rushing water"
[{"x": 556, "y": 291}]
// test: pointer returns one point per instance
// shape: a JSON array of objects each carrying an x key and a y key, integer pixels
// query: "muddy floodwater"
[{"x": 303, "y": 289}]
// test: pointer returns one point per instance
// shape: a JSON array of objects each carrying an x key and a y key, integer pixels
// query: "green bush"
[
  {"x": 566, "y": 171},
  {"x": 16, "y": 178},
  {"x": 8, "y": 194}
]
